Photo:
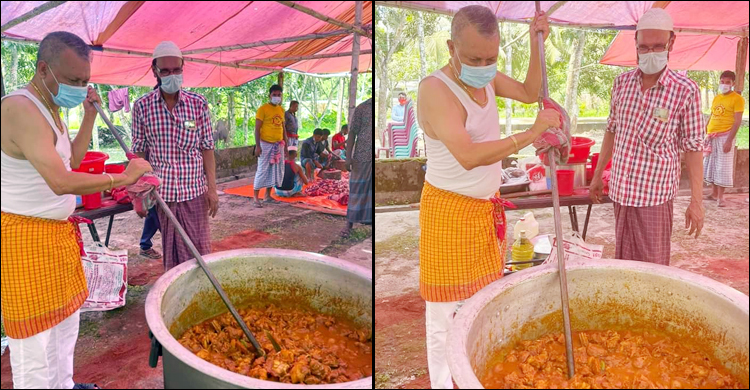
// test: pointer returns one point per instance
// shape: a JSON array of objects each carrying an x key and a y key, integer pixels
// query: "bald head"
[{"x": 479, "y": 18}]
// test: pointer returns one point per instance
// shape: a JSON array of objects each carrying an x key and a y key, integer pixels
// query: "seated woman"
[{"x": 294, "y": 177}]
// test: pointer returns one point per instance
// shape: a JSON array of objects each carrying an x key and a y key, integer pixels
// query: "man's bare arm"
[
  {"x": 209, "y": 166},
  {"x": 736, "y": 125}
]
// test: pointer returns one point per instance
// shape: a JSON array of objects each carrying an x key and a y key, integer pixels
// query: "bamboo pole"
[
  {"x": 357, "y": 28},
  {"x": 269, "y": 42},
  {"x": 301, "y": 58},
  {"x": 740, "y": 63},
  {"x": 34, "y": 12},
  {"x": 355, "y": 62}
]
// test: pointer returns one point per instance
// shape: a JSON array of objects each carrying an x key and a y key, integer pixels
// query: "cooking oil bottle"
[{"x": 523, "y": 250}]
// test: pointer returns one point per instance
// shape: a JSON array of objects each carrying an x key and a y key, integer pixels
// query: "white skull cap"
[
  {"x": 655, "y": 19},
  {"x": 167, "y": 49},
  {"x": 292, "y": 148}
]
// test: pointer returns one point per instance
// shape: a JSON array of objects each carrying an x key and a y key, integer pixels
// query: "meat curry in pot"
[
  {"x": 315, "y": 348},
  {"x": 607, "y": 360}
]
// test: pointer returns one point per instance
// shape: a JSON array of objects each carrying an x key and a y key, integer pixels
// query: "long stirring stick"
[
  {"x": 189, "y": 244},
  {"x": 558, "y": 225}
]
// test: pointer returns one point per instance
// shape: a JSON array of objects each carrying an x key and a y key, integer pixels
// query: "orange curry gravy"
[
  {"x": 315, "y": 348},
  {"x": 607, "y": 360}
]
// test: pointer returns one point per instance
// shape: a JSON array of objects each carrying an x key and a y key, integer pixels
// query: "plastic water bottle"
[
  {"x": 523, "y": 250},
  {"x": 528, "y": 223}
]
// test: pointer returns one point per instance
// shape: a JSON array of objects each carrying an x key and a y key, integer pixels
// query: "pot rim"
[
  {"x": 458, "y": 361},
  {"x": 159, "y": 329}
]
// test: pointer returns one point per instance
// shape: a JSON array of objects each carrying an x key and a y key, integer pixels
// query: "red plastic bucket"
[
  {"x": 595, "y": 160},
  {"x": 92, "y": 201},
  {"x": 93, "y": 162},
  {"x": 579, "y": 151},
  {"x": 114, "y": 168},
  {"x": 565, "y": 182}
]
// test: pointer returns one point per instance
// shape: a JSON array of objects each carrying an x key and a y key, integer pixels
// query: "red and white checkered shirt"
[
  {"x": 174, "y": 141},
  {"x": 651, "y": 128}
]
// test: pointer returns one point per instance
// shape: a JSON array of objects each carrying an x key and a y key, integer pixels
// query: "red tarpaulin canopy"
[
  {"x": 707, "y": 31},
  {"x": 209, "y": 33}
]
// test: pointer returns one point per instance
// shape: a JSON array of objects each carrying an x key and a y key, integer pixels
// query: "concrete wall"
[
  {"x": 234, "y": 161},
  {"x": 400, "y": 181}
]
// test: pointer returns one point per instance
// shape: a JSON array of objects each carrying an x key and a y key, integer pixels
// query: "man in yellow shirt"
[
  {"x": 270, "y": 145},
  {"x": 725, "y": 119}
]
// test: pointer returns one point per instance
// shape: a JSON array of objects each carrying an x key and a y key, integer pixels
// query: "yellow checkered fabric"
[
  {"x": 459, "y": 250},
  {"x": 42, "y": 275}
]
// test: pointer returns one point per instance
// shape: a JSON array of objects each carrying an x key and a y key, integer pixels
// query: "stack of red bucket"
[{"x": 93, "y": 163}]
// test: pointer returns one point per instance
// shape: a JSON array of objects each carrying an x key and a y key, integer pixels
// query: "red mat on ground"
[{"x": 318, "y": 203}]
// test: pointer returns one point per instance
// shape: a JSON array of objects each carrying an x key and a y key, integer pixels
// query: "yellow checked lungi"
[
  {"x": 42, "y": 276},
  {"x": 462, "y": 244}
]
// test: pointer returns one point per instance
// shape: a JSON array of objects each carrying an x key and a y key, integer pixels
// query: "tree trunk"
[
  {"x": 509, "y": 73},
  {"x": 420, "y": 37},
  {"x": 340, "y": 100},
  {"x": 247, "y": 111},
  {"x": 13, "y": 67},
  {"x": 574, "y": 70},
  {"x": 230, "y": 118},
  {"x": 382, "y": 100},
  {"x": 126, "y": 125}
]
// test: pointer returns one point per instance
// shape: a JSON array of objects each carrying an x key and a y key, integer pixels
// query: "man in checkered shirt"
[
  {"x": 174, "y": 127},
  {"x": 655, "y": 114}
]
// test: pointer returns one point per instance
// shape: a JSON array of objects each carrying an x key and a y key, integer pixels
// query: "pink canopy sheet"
[
  {"x": 139, "y": 26},
  {"x": 692, "y": 51}
]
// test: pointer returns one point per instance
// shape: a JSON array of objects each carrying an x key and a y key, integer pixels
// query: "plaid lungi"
[
  {"x": 359, "y": 209},
  {"x": 193, "y": 216},
  {"x": 462, "y": 244},
  {"x": 643, "y": 233},
  {"x": 718, "y": 167},
  {"x": 42, "y": 275},
  {"x": 268, "y": 174}
]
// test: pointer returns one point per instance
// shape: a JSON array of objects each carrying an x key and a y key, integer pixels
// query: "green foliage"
[{"x": 742, "y": 140}]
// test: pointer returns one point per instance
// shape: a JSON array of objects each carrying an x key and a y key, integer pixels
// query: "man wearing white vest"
[{"x": 462, "y": 243}]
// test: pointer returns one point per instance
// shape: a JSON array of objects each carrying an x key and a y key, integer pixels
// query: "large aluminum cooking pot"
[
  {"x": 184, "y": 297},
  {"x": 604, "y": 294}
]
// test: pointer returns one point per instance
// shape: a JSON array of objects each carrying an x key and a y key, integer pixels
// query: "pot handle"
[{"x": 153, "y": 358}]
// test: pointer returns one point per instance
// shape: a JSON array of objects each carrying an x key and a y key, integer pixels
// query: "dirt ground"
[
  {"x": 113, "y": 347},
  {"x": 720, "y": 253}
]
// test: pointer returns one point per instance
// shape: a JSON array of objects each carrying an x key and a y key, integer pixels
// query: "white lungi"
[
  {"x": 438, "y": 319},
  {"x": 45, "y": 360},
  {"x": 718, "y": 167}
]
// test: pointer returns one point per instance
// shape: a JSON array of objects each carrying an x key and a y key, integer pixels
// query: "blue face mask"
[
  {"x": 67, "y": 95},
  {"x": 171, "y": 83},
  {"x": 477, "y": 76}
]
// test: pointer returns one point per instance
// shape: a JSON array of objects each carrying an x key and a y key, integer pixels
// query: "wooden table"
[
  {"x": 540, "y": 202},
  {"x": 103, "y": 212}
]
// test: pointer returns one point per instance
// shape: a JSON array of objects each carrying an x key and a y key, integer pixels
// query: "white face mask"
[
  {"x": 275, "y": 100},
  {"x": 651, "y": 63},
  {"x": 724, "y": 88}
]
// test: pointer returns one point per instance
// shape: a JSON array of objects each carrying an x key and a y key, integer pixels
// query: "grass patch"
[
  {"x": 89, "y": 328},
  {"x": 360, "y": 234},
  {"x": 382, "y": 380},
  {"x": 272, "y": 230},
  {"x": 402, "y": 244}
]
